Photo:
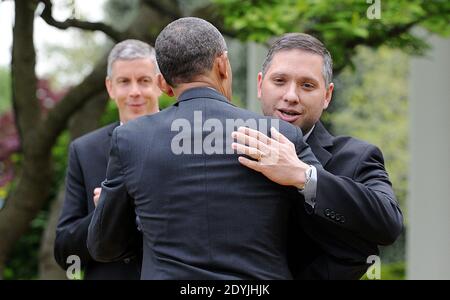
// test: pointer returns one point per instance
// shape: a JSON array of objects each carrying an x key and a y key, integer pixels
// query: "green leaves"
[
  {"x": 5, "y": 90},
  {"x": 341, "y": 25}
]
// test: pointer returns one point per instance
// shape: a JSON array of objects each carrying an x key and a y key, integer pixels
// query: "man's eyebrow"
[
  {"x": 278, "y": 74},
  {"x": 309, "y": 78},
  {"x": 302, "y": 78}
]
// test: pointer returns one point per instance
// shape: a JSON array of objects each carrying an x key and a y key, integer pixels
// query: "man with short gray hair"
[
  {"x": 131, "y": 83},
  {"x": 203, "y": 216}
]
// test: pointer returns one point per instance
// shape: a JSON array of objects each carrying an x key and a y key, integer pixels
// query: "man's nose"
[
  {"x": 135, "y": 90},
  {"x": 291, "y": 94}
]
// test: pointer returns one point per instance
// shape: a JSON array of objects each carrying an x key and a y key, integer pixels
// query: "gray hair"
[
  {"x": 129, "y": 50},
  {"x": 304, "y": 42},
  {"x": 187, "y": 48}
]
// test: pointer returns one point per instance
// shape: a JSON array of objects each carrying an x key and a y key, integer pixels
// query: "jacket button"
[
  {"x": 342, "y": 219},
  {"x": 332, "y": 215},
  {"x": 127, "y": 260},
  {"x": 327, "y": 212},
  {"x": 338, "y": 217}
]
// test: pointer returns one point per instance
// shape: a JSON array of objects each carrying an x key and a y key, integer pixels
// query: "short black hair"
[{"x": 186, "y": 48}]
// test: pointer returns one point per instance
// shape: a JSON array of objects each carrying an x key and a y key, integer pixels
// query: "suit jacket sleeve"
[
  {"x": 112, "y": 233},
  {"x": 364, "y": 204},
  {"x": 71, "y": 231}
]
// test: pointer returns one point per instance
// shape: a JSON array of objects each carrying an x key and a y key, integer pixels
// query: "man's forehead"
[
  {"x": 297, "y": 55},
  {"x": 295, "y": 61},
  {"x": 140, "y": 65},
  {"x": 144, "y": 60}
]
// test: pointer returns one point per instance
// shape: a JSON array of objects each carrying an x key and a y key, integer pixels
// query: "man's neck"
[
  {"x": 200, "y": 81},
  {"x": 181, "y": 88}
]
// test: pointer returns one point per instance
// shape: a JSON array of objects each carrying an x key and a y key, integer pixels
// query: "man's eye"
[
  {"x": 278, "y": 81},
  {"x": 308, "y": 85}
]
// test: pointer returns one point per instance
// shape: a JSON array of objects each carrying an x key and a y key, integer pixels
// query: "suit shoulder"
[
  {"x": 355, "y": 145},
  {"x": 143, "y": 121},
  {"x": 290, "y": 131},
  {"x": 93, "y": 136}
]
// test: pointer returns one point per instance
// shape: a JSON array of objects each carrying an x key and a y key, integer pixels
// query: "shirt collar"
[{"x": 306, "y": 136}]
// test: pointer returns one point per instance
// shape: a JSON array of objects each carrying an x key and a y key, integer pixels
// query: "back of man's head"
[
  {"x": 303, "y": 42},
  {"x": 128, "y": 50},
  {"x": 187, "y": 48}
]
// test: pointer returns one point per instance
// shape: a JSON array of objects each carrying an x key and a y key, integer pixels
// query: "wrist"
[{"x": 303, "y": 177}]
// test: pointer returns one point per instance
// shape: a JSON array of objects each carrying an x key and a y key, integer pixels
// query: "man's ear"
[
  {"x": 108, "y": 84},
  {"x": 260, "y": 79},
  {"x": 163, "y": 85},
  {"x": 328, "y": 95},
  {"x": 222, "y": 65}
]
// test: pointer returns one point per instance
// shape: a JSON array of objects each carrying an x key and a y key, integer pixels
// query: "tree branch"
[
  {"x": 211, "y": 13},
  {"x": 208, "y": 12},
  {"x": 376, "y": 40},
  {"x": 46, "y": 15},
  {"x": 23, "y": 62},
  {"x": 162, "y": 9}
]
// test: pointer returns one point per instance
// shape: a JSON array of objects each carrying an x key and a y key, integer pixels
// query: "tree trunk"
[
  {"x": 27, "y": 197},
  {"x": 48, "y": 268},
  {"x": 82, "y": 122}
]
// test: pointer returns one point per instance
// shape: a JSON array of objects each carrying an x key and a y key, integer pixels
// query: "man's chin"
[{"x": 137, "y": 111}]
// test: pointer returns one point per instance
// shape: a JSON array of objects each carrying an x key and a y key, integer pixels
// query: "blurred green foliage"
[
  {"x": 341, "y": 25},
  {"x": 5, "y": 89},
  {"x": 23, "y": 264},
  {"x": 165, "y": 101},
  {"x": 393, "y": 271}
]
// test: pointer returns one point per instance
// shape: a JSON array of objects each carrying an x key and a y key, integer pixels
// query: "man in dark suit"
[
  {"x": 349, "y": 207},
  {"x": 131, "y": 82},
  {"x": 202, "y": 215}
]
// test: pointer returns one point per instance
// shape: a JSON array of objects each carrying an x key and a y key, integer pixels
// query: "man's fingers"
[
  {"x": 250, "y": 141},
  {"x": 276, "y": 135},
  {"x": 256, "y": 134},
  {"x": 250, "y": 151},
  {"x": 249, "y": 163}
]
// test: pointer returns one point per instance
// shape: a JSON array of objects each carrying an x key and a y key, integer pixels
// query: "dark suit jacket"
[
  {"x": 88, "y": 158},
  {"x": 202, "y": 216},
  {"x": 355, "y": 211}
]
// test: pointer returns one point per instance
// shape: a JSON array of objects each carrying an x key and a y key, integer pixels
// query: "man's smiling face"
[{"x": 294, "y": 89}]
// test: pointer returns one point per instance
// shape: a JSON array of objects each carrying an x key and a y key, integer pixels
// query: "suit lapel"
[
  {"x": 112, "y": 127},
  {"x": 107, "y": 139},
  {"x": 319, "y": 140}
]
